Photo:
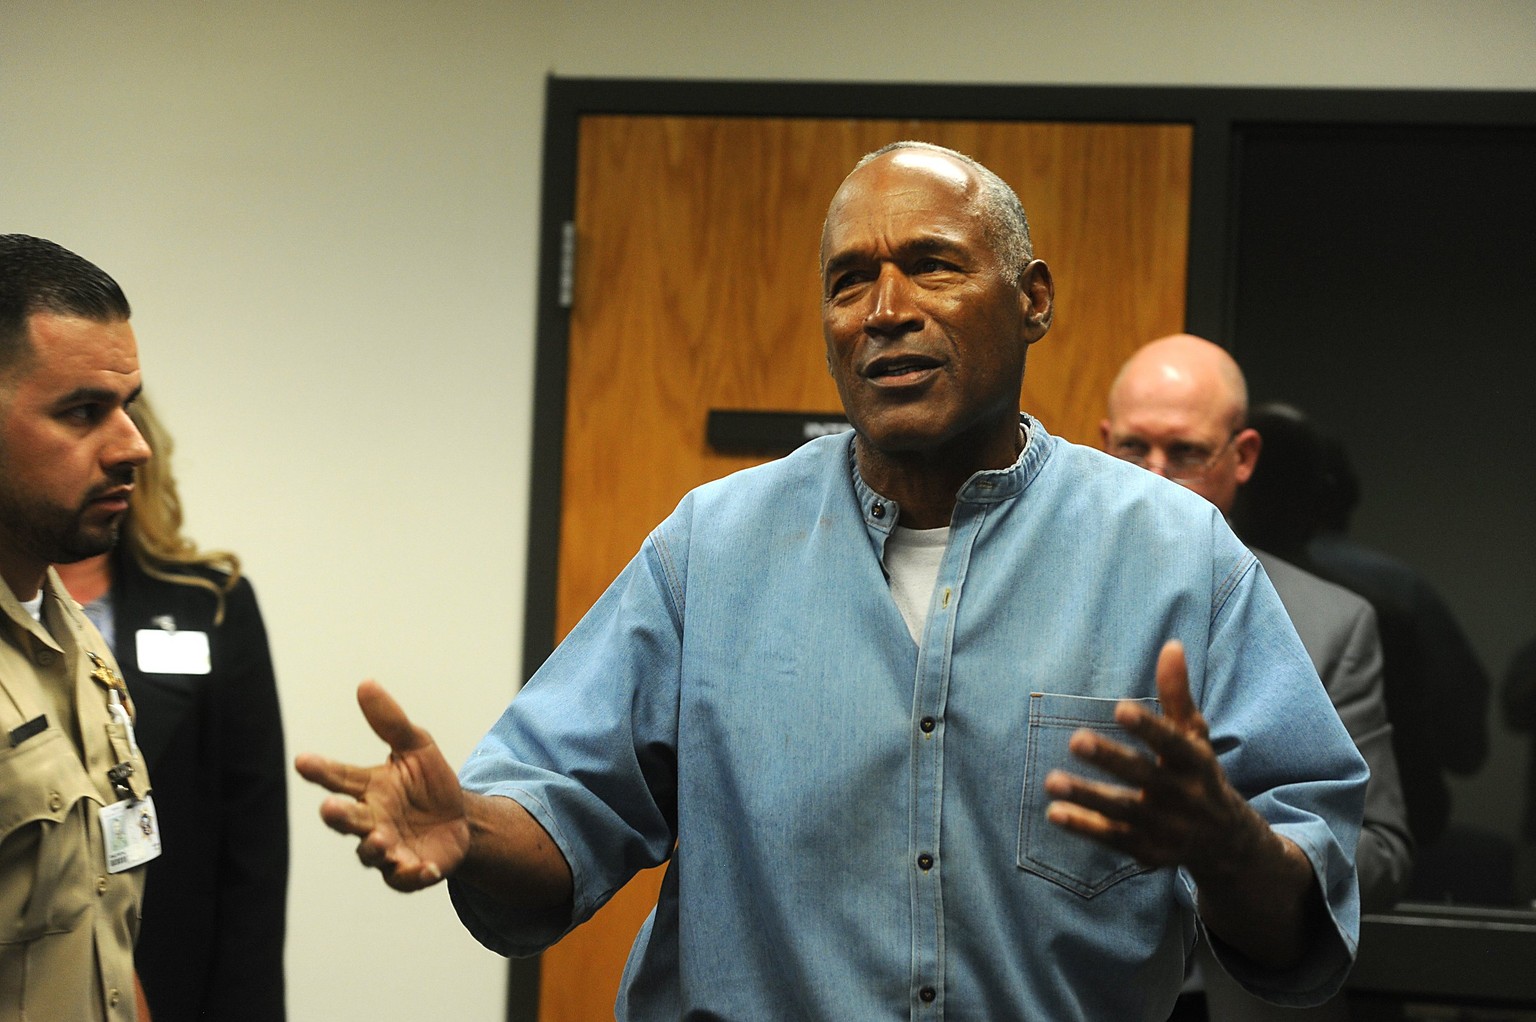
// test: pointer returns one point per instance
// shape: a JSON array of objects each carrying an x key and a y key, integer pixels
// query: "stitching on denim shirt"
[
  {"x": 669, "y": 574},
  {"x": 1068, "y": 720},
  {"x": 1089, "y": 873},
  {"x": 1228, "y": 585}
]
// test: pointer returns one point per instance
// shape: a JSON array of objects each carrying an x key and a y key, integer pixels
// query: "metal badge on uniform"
[
  {"x": 132, "y": 833},
  {"x": 168, "y": 651}
]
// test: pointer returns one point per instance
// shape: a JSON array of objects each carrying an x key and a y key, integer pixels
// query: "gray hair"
[{"x": 1003, "y": 221}]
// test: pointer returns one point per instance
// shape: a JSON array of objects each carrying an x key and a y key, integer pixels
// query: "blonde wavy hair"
[{"x": 151, "y": 532}]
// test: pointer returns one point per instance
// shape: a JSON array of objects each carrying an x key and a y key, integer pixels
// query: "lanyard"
[{"x": 120, "y": 706}]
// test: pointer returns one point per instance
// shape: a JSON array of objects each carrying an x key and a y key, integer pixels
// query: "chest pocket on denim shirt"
[{"x": 1075, "y": 862}]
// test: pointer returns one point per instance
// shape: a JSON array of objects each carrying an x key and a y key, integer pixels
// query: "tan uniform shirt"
[{"x": 66, "y": 947}]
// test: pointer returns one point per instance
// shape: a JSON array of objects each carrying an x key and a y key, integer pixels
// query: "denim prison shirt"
[{"x": 856, "y": 825}]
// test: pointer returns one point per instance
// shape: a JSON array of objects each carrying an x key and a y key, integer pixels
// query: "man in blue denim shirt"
[{"x": 900, "y": 708}]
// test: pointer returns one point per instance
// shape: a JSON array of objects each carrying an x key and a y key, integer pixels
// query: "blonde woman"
[{"x": 187, "y": 631}]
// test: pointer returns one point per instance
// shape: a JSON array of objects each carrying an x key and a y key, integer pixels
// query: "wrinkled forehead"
[
  {"x": 1165, "y": 404},
  {"x": 67, "y": 351},
  {"x": 904, "y": 183},
  {"x": 906, "y": 170}
]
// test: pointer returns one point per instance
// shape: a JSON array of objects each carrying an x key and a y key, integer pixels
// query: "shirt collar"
[{"x": 987, "y": 487}]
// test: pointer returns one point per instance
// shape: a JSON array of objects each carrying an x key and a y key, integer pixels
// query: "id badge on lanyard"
[{"x": 129, "y": 827}]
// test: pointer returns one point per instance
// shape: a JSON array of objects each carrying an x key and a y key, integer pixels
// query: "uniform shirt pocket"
[
  {"x": 45, "y": 838},
  {"x": 1075, "y": 862}
]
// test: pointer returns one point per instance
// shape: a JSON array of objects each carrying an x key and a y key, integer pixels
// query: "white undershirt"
[
  {"x": 912, "y": 558},
  {"x": 35, "y": 607}
]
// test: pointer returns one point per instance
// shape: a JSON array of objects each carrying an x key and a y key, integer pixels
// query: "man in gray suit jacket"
[{"x": 1179, "y": 407}]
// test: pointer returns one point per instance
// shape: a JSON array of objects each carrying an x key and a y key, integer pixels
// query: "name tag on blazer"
[{"x": 165, "y": 652}]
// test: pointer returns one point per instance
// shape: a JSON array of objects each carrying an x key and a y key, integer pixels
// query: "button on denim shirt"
[{"x": 855, "y": 822}]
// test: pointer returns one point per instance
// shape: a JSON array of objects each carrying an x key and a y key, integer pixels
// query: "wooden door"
[{"x": 696, "y": 288}]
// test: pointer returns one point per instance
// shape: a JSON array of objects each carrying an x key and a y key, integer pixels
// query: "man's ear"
[
  {"x": 1037, "y": 298},
  {"x": 1104, "y": 434},
  {"x": 1248, "y": 444}
]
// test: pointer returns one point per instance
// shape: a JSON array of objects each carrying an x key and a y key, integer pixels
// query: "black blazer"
[{"x": 211, "y": 945}]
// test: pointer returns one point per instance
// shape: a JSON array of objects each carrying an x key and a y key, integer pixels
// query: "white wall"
[{"x": 324, "y": 215}]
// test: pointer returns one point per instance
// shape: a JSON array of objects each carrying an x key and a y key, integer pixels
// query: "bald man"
[{"x": 1179, "y": 408}]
